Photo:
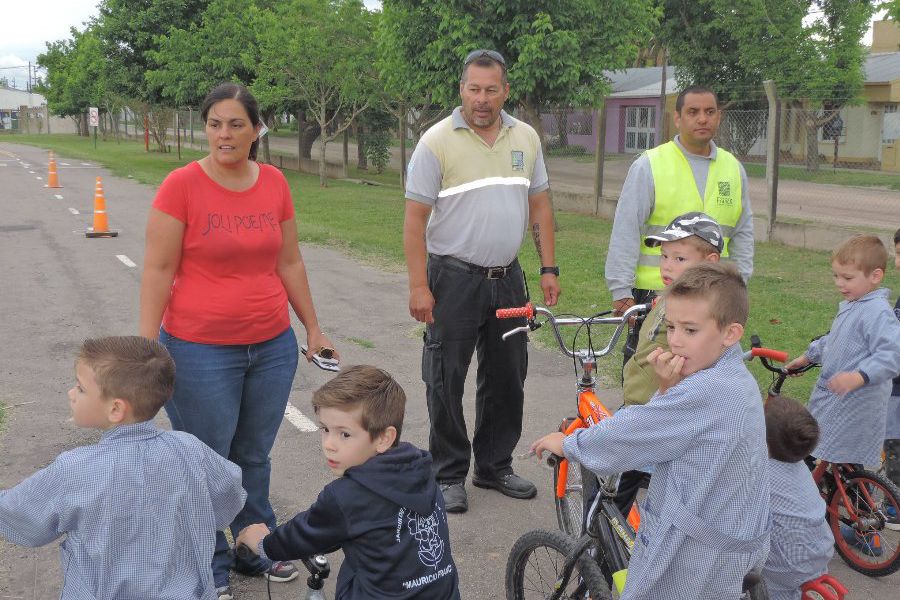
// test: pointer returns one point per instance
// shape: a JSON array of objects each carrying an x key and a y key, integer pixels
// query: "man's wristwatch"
[{"x": 551, "y": 270}]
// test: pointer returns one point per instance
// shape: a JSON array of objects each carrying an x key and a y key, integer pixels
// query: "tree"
[
  {"x": 76, "y": 77},
  {"x": 129, "y": 31},
  {"x": 817, "y": 65},
  {"x": 408, "y": 78},
  {"x": 319, "y": 54},
  {"x": 556, "y": 50},
  {"x": 732, "y": 47}
]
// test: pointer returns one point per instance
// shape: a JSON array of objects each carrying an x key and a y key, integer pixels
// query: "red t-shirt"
[{"x": 226, "y": 288}]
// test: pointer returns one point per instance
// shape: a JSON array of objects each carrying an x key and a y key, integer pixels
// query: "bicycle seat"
[{"x": 751, "y": 579}]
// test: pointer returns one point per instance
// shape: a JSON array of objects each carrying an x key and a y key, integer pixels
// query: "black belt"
[{"x": 487, "y": 272}]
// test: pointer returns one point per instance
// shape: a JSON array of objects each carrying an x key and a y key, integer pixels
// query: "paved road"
[{"x": 59, "y": 287}]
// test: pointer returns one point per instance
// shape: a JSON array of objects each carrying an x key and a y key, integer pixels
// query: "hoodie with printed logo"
[{"x": 388, "y": 517}]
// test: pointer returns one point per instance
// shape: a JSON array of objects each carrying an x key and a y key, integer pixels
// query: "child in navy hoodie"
[{"x": 384, "y": 510}]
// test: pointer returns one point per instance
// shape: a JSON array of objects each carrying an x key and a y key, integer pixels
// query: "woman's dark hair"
[{"x": 234, "y": 91}]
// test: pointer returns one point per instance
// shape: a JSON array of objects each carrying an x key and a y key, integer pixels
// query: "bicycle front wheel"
[
  {"x": 860, "y": 535},
  {"x": 536, "y": 563},
  {"x": 580, "y": 487}
]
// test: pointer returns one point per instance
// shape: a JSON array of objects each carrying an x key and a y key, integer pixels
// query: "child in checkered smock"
[
  {"x": 859, "y": 357},
  {"x": 802, "y": 543},
  {"x": 705, "y": 521}
]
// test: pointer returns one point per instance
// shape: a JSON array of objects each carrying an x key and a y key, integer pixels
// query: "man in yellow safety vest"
[{"x": 689, "y": 173}]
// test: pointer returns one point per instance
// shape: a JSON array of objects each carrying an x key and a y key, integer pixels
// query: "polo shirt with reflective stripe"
[{"x": 478, "y": 193}]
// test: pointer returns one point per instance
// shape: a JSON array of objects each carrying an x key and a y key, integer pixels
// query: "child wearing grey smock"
[
  {"x": 802, "y": 543},
  {"x": 705, "y": 520},
  {"x": 864, "y": 337}
]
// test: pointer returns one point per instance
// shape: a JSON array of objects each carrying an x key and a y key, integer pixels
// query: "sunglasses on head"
[{"x": 476, "y": 54}]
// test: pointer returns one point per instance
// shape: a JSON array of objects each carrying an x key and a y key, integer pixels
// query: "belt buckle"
[{"x": 495, "y": 272}]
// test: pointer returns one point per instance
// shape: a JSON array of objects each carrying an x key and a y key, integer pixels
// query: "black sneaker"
[
  {"x": 455, "y": 500},
  {"x": 509, "y": 485}
]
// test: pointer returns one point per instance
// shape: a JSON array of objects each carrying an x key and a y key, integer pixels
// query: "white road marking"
[
  {"x": 86, "y": 165},
  {"x": 57, "y": 196},
  {"x": 38, "y": 177},
  {"x": 298, "y": 419},
  {"x": 32, "y": 172},
  {"x": 126, "y": 261},
  {"x": 64, "y": 164},
  {"x": 74, "y": 211}
]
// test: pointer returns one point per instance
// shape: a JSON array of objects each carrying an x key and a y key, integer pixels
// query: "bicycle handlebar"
[
  {"x": 530, "y": 311},
  {"x": 776, "y": 355}
]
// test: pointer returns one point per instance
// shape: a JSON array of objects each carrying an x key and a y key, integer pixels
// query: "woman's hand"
[{"x": 315, "y": 341}]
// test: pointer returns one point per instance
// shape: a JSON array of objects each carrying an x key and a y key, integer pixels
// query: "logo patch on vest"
[
  {"x": 724, "y": 198},
  {"x": 518, "y": 160}
]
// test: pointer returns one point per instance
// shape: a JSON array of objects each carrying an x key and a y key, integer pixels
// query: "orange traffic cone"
[
  {"x": 52, "y": 176},
  {"x": 101, "y": 225}
]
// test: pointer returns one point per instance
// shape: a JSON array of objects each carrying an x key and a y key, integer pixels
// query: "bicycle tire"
[
  {"x": 525, "y": 580},
  {"x": 860, "y": 556},
  {"x": 581, "y": 486}
]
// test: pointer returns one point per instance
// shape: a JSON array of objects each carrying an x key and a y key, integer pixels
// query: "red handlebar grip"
[
  {"x": 526, "y": 311},
  {"x": 776, "y": 355}
]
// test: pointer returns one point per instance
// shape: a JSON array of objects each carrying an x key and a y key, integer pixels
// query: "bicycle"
[
  {"x": 856, "y": 498},
  {"x": 554, "y": 564}
]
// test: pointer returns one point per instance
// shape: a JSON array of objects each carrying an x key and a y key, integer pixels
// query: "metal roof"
[{"x": 882, "y": 67}]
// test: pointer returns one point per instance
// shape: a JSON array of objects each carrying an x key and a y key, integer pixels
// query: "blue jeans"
[{"x": 233, "y": 399}]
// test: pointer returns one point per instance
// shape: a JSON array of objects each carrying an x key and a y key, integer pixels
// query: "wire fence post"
[
  {"x": 599, "y": 155},
  {"x": 773, "y": 151}
]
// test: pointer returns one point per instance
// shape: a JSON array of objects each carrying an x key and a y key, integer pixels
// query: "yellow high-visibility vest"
[{"x": 676, "y": 193}]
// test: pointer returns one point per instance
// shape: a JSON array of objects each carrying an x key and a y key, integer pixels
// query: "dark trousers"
[
  {"x": 464, "y": 322},
  {"x": 634, "y": 331}
]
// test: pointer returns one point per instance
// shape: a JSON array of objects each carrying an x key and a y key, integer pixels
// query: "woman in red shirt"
[{"x": 220, "y": 267}]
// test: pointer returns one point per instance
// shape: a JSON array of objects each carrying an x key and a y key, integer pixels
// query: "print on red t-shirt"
[{"x": 227, "y": 289}]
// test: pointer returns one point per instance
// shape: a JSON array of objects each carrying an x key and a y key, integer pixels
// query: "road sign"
[{"x": 94, "y": 116}]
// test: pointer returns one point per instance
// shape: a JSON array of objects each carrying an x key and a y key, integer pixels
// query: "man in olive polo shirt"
[
  {"x": 687, "y": 174},
  {"x": 475, "y": 181}
]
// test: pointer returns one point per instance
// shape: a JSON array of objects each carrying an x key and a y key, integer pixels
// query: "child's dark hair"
[
  {"x": 897, "y": 237},
  {"x": 721, "y": 285},
  {"x": 381, "y": 398},
  {"x": 792, "y": 433},
  {"x": 134, "y": 368}
]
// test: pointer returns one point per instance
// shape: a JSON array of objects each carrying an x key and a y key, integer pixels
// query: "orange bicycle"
[{"x": 857, "y": 499}]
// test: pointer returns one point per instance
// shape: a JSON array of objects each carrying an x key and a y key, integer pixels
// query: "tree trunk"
[
  {"x": 562, "y": 127},
  {"x": 323, "y": 180},
  {"x": 267, "y": 117},
  {"x": 812, "y": 142},
  {"x": 362, "y": 162}
]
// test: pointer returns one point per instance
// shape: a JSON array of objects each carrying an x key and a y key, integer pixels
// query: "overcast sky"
[{"x": 27, "y": 24}]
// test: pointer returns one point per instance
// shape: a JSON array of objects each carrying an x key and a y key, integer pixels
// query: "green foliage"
[
  {"x": 734, "y": 46},
  {"x": 556, "y": 50},
  {"x": 378, "y": 149},
  {"x": 317, "y": 54},
  {"x": 130, "y": 30},
  {"x": 893, "y": 9},
  {"x": 76, "y": 74},
  {"x": 221, "y": 47}
]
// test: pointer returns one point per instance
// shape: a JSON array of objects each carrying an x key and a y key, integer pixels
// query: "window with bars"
[
  {"x": 890, "y": 124},
  {"x": 640, "y": 128}
]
